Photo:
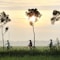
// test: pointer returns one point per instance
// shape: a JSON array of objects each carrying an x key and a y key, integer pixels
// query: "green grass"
[
  {"x": 24, "y": 48},
  {"x": 31, "y": 58},
  {"x": 24, "y": 53}
]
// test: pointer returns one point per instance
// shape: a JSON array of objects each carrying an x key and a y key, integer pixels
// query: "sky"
[{"x": 19, "y": 28}]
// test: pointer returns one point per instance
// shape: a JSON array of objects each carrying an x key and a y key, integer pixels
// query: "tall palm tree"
[
  {"x": 33, "y": 15},
  {"x": 4, "y": 18}
]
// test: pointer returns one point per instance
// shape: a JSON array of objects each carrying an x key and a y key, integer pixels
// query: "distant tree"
[
  {"x": 4, "y": 19},
  {"x": 33, "y": 15},
  {"x": 56, "y": 16}
]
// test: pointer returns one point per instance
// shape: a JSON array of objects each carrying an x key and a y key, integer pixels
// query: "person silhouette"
[
  {"x": 30, "y": 44},
  {"x": 8, "y": 45},
  {"x": 57, "y": 43},
  {"x": 51, "y": 44}
]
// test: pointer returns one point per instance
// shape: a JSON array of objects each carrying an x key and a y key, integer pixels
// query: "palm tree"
[
  {"x": 3, "y": 20},
  {"x": 33, "y": 15},
  {"x": 56, "y": 16}
]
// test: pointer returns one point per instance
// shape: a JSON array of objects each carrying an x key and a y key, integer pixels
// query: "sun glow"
[{"x": 32, "y": 19}]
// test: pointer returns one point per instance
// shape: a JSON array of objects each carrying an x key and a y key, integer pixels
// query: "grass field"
[
  {"x": 24, "y": 53},
  {"x": 31, "y": 58}
]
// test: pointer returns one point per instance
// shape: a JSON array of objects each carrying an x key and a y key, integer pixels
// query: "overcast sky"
[
  {"x": 25, "y": 4},
  {"x": 19, "y": 28}
]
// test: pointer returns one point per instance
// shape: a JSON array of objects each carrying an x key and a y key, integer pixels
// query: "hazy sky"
[{"x": 19, "y": 28}]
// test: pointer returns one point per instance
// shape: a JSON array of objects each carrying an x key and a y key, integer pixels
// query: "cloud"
[
  {"x": 25, "y": 4},
  {"x": 26, "y": 7}
]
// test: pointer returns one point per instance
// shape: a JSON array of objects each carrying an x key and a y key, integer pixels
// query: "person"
[
  {"x": 8, "y": 45},
  {"x": 51, "y": 44},
  {"x": 30, "y": 44},
  {"x": 58, "y": 43}
]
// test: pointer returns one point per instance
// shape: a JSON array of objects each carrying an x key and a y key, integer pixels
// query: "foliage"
[
  {"x": 32, "y": 52},
  {"x": 56, "y": 16},
  {"x": 32, "y": 12}
]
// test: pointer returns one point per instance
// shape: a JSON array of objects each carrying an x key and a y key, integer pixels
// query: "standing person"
[
  {"x": 8, "y": 45},
  {"x": 58, "y": 43},
  {"x": 30, "y": 44},
  {"x": 51, "y": 44}
]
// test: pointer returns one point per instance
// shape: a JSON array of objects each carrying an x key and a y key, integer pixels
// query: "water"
[{"x": 25, "y": 43}]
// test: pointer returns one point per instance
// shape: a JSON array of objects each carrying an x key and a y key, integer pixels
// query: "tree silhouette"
[
  {"x": 33, "y": 15},
  {"x": 4, "y": 18},
  {"x": 56, "y": 16}
]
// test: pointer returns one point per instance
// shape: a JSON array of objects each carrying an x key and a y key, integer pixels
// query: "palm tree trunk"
[
  {"x": 3, "y": 37},
  {"x": 34, "y": 35}
]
